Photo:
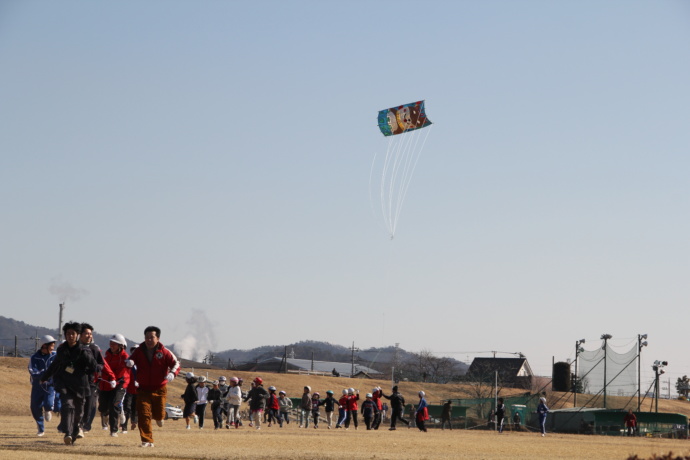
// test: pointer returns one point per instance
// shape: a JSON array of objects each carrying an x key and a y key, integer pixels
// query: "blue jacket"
[{"x": 38, "y": 365}]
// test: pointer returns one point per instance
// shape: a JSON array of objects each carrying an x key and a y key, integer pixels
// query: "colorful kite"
[
  {"x": 404, "y": 118},
  {"x": 402, "y": 153}
]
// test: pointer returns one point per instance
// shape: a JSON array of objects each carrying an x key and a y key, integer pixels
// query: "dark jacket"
[
  {"x": 71, "y": 369},
  {"x": 330, "y": 403},
  {"x": 397, "y": 400},
  {"x": 189, "y": 396},
  {"x": 214, "y": 396},
  {"x": 257, "y": 397},
  {"x": 369, "y": 408}
]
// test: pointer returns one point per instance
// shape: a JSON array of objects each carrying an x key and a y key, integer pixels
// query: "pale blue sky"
[{"x": 168, "y": 155}]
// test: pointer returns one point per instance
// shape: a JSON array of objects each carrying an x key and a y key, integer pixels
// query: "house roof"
[{"x": 506, "y": 366}]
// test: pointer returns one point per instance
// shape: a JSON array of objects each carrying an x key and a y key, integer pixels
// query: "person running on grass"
[
  {"x": 285, "y": 406},
  {"x": 397, "y": 405},
  {"x": 157, "y": 366},
  {"x": 72, "y": 367},
  {"x": 42, "y": 396}
]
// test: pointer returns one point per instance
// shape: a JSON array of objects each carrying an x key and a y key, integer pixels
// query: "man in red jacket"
[{"x": 156, "y": 367}]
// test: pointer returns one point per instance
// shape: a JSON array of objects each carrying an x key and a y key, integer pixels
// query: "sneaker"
[
  {"x": 121, "y": 419},
  {"x": 80, "y": 434},
  {"x": 391, "y": 429},
  {"x": 48, "y": 416},
  {"x": 146, "y": 444},
  {"x": 124, "y": 431},
  {"x": 113, "y": 434},
  {"x": 133, "y": 427},
  {"x": 40, "y": 433},
  {"x": 159, "y": 423},
  {"x": 67, "y": 440},
  {"x": 189, "y": 427}
]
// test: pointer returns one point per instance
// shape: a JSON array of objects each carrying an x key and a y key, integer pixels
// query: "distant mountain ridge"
[
  {"x": 382, "y": 359},
  {"x": 26, "y": 335}
]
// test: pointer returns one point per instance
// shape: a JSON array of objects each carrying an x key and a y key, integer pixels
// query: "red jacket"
[
  {"x": 342, "y": 402},
  {"x": 376, "y": 397},
  {"x": 352, "y": 402},
  {"x": 118, "y": 367},
  {"x": 273, "y": 402},
  {"x": 151, "y": 374}
]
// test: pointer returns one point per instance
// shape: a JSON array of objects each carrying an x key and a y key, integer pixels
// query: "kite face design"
[{"x": 404, "y": 118}]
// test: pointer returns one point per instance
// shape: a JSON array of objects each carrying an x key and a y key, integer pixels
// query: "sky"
[{"x": 209, "y": 167}]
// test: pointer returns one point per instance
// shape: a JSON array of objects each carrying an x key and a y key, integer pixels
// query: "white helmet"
[
  {"x": 119, "y": 339},
  {"x": 189, "y": 375},
  {"x": 369, "y": 395},
  {"x": 344, "y": 391},
  {"x": 351, "y": 391},
  {"x": 421, "y": 394},
  {"x": 201, "y": 379},
  {"x": 307, "y": 387},
  {"x": 47, "y": 339}
]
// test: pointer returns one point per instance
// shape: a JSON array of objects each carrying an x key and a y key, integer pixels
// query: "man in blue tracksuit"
[{"x": 42, "y": 396}]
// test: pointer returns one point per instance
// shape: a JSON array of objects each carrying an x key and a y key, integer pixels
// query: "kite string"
[{"x": 416, "y": 157}]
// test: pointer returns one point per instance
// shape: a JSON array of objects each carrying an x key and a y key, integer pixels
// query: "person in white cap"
[
  {"x": 111, "y": 398},
  {"x": 189, "y": 398},
  {"x": 42, "y": 396}
]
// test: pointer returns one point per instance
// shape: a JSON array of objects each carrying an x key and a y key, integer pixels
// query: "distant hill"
[
  {"x": 381, "y": 359},
  {"x": 27, "y": 335}
]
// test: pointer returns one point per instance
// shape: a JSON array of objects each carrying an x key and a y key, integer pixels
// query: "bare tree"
[
  {"x": 426, "y": 367},
  {"x": 481, "y": 382}
]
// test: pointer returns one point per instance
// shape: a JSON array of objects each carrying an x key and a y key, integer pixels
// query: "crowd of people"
[
  {"x": 129, "y": 390},
  {"x": 77, "y": 380},
  {"x": 272, "y": 407}
]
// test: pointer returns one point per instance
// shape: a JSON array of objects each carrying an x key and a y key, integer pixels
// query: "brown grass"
[{"x": 19, "y": 442}]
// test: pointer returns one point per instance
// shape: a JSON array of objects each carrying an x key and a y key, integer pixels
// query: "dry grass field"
[{"x": 18, "y": 435}]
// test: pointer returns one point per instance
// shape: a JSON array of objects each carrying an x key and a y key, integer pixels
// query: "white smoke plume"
[
  {"x": 200, "y": 340},
  {"x": 65, "y": 291}
]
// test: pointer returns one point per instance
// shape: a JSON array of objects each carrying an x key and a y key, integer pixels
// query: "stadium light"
[
  {"x": 578, "y": 350},
  {"x": 605, "y": 338},
  {"x": 658, "y": 367},
  {"x": 640, "y": 344}
]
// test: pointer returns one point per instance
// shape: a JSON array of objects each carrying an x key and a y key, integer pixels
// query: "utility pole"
[
  {"x": 605, "y": 338},
  {"x": 352, "y": 374}
]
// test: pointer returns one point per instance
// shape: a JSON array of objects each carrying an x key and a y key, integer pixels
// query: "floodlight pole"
[
  {"x": 605, "y": 338},
  {"x": 578, "y": 349},
  {"x": 640, "y": 344},
  {"x": 658, "y": 370}
]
